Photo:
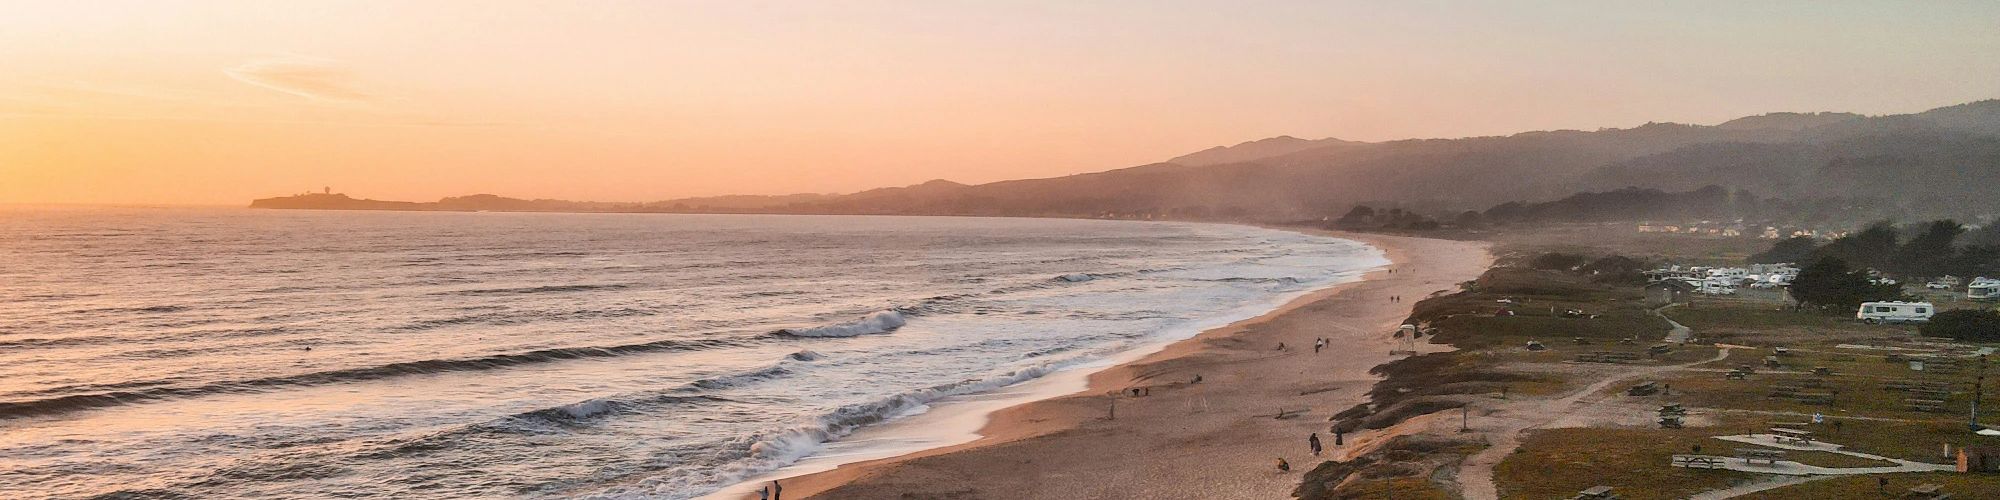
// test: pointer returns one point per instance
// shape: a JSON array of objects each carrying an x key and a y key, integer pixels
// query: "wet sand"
[{"x": 1220, "y": 438}]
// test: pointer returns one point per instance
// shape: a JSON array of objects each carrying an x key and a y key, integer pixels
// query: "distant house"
[
  {"x": 1660, "y": 293},
  {"x": 1979, "y": 459}
]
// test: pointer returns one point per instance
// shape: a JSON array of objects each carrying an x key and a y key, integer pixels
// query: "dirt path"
[
  {"x": 1681, "y": 333},
  {"x": 1475, "y": 476}
]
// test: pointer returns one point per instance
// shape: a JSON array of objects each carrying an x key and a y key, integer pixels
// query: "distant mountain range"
[{"x": 1941, "y": 162}]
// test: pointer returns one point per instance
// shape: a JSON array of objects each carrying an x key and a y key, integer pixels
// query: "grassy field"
[
  {"x": 1557, "y": 463},
  {"x": 1965, "y": 486},
  {"x": 1494, "y": 319}
]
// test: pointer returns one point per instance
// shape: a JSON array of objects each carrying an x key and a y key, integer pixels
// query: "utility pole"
[
  {"x": 1978, "y": 390},
  {"x": 1465, "y": 418}
]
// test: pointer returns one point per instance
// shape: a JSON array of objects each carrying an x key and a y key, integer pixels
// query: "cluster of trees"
[
  {"x": 1628, "y": 204},
  {"x": 1829, "y": 284},
  {"x": 1936, "y": 248},
  {"x": 1978, "y": 325},
  {"x": 1617, "y": 269},
  {"x": 1365, "y": 217}
]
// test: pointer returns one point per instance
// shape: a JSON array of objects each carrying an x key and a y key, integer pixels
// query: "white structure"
[
  {"x": 1895, "y": 312},
  {"x": 1983, "y": 289},
  {"x": 1715, "y": 286}
]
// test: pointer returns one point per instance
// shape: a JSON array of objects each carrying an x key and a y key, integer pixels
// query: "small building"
[
  {"x": 1660, "y": 293},
  {"x": 1979, "y": 459}
]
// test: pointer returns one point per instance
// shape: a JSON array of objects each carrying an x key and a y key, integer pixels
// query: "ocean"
[{"x": 204, "y": 353}]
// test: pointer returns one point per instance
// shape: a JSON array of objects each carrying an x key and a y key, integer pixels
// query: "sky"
[{"x": 219, "y": 102}]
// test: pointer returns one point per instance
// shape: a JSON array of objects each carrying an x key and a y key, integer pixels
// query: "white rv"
[
  {"x": 1983, "y": 289},
  {"x": 1895, "y": 312}
]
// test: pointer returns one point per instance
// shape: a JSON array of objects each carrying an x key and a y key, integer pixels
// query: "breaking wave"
[
  {"x": 75, "y": 402},
  {"x": 770, "y": 450},
  {"x": 877, "y": 322}
]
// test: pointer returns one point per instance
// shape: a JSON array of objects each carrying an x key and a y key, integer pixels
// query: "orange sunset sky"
[{"x": 218, "y": 102}]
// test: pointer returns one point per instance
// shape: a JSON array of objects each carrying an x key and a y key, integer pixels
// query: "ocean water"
[{"x": 202, "y": 353}]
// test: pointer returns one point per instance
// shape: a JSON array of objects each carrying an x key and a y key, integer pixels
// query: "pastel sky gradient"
[{"x": 218, "y": 102}]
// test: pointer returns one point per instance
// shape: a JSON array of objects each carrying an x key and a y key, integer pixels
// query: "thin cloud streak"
[
  {"x": 311, "y": 78},
  {"x": 414, "y": 123}
]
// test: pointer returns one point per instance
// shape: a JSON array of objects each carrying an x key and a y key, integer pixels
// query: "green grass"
[
  {"x": 1968, "y": 486},
  {"x": 1557, "y": 463}
]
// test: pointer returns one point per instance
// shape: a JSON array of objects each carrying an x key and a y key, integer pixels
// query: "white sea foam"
[{"x": 877, "y": 322}]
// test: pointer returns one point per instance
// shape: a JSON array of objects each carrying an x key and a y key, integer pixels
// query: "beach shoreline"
[{"x": 1219, "y": 438}]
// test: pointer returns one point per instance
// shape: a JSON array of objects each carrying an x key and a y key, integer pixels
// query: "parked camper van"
[
  {"x": 1983, "y": 289},
  {"x": 1895, "y": 312}
]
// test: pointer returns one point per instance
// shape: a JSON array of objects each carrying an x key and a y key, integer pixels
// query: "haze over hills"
[
  {"x": 1941, "y": 162},
  {"x": 1255, "y": 150}
]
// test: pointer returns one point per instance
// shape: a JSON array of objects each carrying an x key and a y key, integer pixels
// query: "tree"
[
  {"x": 1977, "y": 325},
  {"x": 1617, "y": 269},
  {"x": 1793, "y": 249},
  {"x": 1874, "y": 247},
  {"x": 1830, "y": 285},
  {"x": 1557, "y": 261},
  {"x": 1930, "y": 250},
  {"x": 1981, "y": 260},
  {"x": 1360, "y": 214}
]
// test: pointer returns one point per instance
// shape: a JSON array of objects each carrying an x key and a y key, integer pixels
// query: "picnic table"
[
  {"x": 1737, "y": 375},
  {"x": 1927, "y": 491},
  {"x": 1697, "y": 462},
  {"x": 1596, "y": 493},
  {"x": 1791, "y": 436},
  {"x": 1750, "y": 455},
  {"x": 1643, "y": 389}
]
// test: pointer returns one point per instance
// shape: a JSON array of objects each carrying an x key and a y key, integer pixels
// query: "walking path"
[
  {"x": 1476, "y": 475},
  {"x": 1787, "y": 473},
  {"x": 1768, "y": 483},
  {"x": 1772, "y": 441},
  {"x": 1680, "y": 333}
]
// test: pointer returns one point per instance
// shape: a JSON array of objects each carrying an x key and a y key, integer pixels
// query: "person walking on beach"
[
  {"x": 777, "y": 491},
  {"x": 1317, "y": 344},
  {"x": 764, "y": 493},
  {"x": 1313, "y": 441}
]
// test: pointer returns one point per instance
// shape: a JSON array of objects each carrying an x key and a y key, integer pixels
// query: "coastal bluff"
[{"x": 330, "y": 201}]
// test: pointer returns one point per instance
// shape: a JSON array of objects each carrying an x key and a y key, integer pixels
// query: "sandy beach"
[{"x": 1219, "y": 438}]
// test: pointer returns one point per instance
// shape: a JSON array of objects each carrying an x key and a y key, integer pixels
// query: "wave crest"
[{"x": 877, "y": 322}]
